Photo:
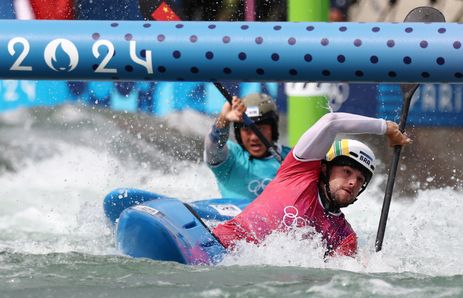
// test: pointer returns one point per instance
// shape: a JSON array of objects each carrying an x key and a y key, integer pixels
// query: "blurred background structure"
[{"x": 435, "y": 121}]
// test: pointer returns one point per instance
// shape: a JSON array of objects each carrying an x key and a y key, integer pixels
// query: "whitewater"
[{"x": 56, "y": 166}]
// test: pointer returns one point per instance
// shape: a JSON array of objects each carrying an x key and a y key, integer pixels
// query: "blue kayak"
[{"x": 149, "y": 225}]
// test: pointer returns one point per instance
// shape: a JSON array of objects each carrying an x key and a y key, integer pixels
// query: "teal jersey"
[{"x": 242, "y": 176}]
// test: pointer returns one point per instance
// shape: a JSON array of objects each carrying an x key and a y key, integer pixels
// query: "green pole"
[{"x": 307, "y": 102}]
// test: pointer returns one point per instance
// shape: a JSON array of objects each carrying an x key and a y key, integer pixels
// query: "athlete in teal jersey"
[
  {"x": 241, "y": 175},
  {"x": 245, "y": 168}
]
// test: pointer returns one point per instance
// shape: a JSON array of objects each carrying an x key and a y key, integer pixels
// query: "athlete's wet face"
[
  {"x": 252, "y": 143},
  {"x": 345, "y": 184}
]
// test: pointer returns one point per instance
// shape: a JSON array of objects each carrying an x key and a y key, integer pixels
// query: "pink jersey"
[{"x": 290, "y": 200}]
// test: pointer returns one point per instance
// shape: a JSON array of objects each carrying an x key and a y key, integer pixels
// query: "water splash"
[{"x": 52, "y": 204}]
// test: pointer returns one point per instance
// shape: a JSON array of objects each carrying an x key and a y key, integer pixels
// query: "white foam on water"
[
  {"x": 55, "y": 205},
  {"x": 50, "y": 198},
  {"x": 422, "y": 236},
  {"x": 189, "y": 182}
]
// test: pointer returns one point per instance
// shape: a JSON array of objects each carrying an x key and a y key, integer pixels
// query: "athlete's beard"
[
  {"x": 341, "y": 205},
  {"x": 330, "y": 203},
  {"x": 344, "y": 205}
]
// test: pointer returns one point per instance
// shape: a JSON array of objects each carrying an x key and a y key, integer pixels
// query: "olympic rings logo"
[
  {"x": 258, "y": 186},
  {"x": 291, "y": 218}
]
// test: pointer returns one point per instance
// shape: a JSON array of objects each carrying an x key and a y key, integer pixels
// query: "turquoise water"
[
  {"x": 81, "y": 275},
  {"x": 57, "y": 165}
]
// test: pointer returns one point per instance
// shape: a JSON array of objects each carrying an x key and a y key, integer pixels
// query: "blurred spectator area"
[
  {"x": 225, "y": 10},
  {"x": 205, "y": 10}
]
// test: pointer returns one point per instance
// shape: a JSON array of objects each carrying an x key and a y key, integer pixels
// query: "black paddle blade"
[
  {"x": 425, "y": 14},
  {"x": 421, "y": 14}
]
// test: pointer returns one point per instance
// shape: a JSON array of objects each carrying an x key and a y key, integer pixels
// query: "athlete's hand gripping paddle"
[
  {"x": 248, "y": 122},
  {"x": 153, "y": 10},
  {"x": 419, "y": 14}
]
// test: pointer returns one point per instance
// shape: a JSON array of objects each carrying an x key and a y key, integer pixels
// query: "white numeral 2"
[
  {"x": 26, "y": 48},
  {"x": 101, "y": 68}
]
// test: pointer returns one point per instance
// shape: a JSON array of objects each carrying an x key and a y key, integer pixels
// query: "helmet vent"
[{"x": 354, "y": 154}]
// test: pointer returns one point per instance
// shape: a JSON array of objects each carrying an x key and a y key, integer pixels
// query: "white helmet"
[{"x": 355, "y": 154}]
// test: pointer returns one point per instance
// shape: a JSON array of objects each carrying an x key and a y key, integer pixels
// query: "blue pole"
[{"x": 245, "y": 51}]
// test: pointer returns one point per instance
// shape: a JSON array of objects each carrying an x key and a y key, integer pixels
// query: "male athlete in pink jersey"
[{"x": 313, "y": 183}]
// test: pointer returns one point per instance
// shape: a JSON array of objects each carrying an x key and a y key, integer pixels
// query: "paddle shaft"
[
  {"x": 419, "y": 14},
  {"x": 393, "y": 170},
  {"x": 150, "y": 12}
]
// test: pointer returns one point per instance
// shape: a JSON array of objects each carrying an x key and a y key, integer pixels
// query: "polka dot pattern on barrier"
[{"x": 271, "y": 51}]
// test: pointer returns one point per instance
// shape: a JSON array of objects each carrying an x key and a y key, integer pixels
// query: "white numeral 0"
[
  {"x": 101, "y": 68},
  {"x": 26, "y": 48},
  {"x": 133, "y": 55}
]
